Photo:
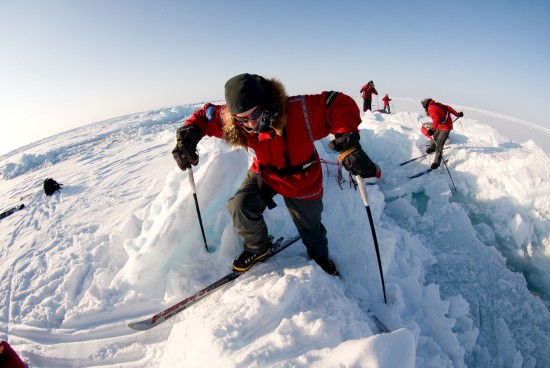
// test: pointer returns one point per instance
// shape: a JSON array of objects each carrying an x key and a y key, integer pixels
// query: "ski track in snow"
[{"x": 120, "y": 241}]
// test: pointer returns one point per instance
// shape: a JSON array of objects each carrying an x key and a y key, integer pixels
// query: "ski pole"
[
  {"x": 448, "y": 172},
  {"x": 444, "y": 163},
  {"x": 459, "y": 122},
  {"x": 194, "y": 189},
  {"x": 371, "y": 222}
]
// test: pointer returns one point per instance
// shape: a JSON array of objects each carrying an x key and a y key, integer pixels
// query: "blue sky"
[{"x": 69, "y": 63}]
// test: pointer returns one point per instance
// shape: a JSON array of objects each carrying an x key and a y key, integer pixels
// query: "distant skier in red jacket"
[
  {"x": 442, "y": 124},
  {"x": 366, "y": 92},
  {"x": 279, "y": 132},
  {"x": 387, "y": 100}
]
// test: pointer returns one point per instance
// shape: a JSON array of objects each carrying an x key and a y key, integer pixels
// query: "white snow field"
[{"x": 467, "y": 272}]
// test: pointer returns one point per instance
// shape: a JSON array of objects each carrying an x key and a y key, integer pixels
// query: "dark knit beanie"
[
  {"x": 243, "y": 92},
  {"x": 425, "y": 102}
]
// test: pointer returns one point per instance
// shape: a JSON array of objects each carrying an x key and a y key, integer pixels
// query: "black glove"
[
  {"x": 270, "y": 114},
  {"x": 430, "y": 132},
  {"x": 185, "y": 153},
  {"x": 180, "y": 158},
  {"x": 344, "y": 142},
  {"x": 460, "y": 114},
  {"x": 357, "y": 162}
]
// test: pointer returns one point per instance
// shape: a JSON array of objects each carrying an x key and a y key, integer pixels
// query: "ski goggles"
[{"x": 252, "y": 116}]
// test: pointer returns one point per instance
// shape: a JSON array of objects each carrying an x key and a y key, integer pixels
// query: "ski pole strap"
[
  {"x": 344, "y": 154},
  {"x": 338, "y": 171}
]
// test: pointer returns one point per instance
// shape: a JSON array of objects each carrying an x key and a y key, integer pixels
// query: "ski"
[
  {"x": 169, "y": 312},
  {"x": 425, "y": 171},
  {"x": 418, "y": 158},
  {"x": 11, "y": 210},
  {"x": 381, "y": 327}
]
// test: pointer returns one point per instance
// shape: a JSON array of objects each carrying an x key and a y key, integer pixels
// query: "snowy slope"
[{"x": 467, "y": 273}]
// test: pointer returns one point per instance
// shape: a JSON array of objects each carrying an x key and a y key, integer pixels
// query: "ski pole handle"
[
  {"x": 362, "y": 190},
  {"x": 191, "y": 180}
]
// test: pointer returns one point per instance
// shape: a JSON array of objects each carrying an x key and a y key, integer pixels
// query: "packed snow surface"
[{"x": 467, "y": 271}]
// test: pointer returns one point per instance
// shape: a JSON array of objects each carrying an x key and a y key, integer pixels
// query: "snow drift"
[{"x": 467, "y": 272}]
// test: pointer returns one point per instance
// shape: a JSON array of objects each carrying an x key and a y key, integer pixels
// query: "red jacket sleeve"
[
  {"x": 209, "y": 119},
  {"x": 439, "y": 114},
  {"x": 332, "y": 112},
  {"x": 451, "y": 110}
]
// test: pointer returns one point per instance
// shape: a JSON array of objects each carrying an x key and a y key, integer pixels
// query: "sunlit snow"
[{"x": 467, "y": 273}]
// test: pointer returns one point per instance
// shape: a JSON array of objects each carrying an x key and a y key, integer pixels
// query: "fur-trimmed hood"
[{"x": 236, "y": 135}]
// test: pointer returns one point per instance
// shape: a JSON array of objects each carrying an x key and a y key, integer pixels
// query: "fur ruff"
[{"x": 236, "y": 136}]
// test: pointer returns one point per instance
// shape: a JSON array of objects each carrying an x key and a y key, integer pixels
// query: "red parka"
[
  {"x": 441, "y": 115},
  {"x": 289, "y": 143},
  {"x": 386, "y": 100},
  {"x": 9, "y": 358},
  {"x": 367, "y": 90}
]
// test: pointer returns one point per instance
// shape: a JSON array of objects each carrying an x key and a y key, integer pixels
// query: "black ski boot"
[
  {"x": 328, "y": 266},
  {"x": 247, "y": 259}
]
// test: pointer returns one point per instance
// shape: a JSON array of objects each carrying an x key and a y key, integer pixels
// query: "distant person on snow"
[
  {"x": 366, "y": 92},
  {"x": 279, "y": 132},
  {"x": 9, "y": 358},
  {"x": 387, "y": 100},
  {"x": 442, "y": 124}
]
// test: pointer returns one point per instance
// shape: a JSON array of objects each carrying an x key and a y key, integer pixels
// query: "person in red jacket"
[
  {"x": 279, "y": 132},
  {"x": 366, "y": 92},
  {"x": 9, "y": 358},
  {"x": 387, "y": 100},
  {"x": 442, "y": 124}
]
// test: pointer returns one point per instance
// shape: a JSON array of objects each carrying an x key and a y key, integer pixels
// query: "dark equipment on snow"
[
  {"x": 51, "y": 186},
  {"x": 363, "y": 192},
  {"x": 11, "y": 210}
]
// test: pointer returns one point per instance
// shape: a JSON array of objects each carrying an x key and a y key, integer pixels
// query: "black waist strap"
[
  {"x": 291, "y": 170},
  {"x": 285, "y": 171}
]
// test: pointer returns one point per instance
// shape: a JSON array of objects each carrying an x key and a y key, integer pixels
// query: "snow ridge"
[{"x": 467, "y": 274}]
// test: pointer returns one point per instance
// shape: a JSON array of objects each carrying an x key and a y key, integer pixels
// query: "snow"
[{"x": 467, "y": 273}]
